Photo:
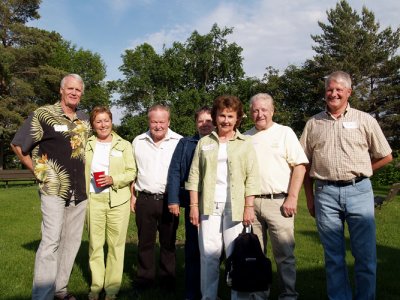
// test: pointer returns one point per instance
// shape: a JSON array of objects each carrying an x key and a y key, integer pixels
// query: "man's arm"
[
  {"x": 174, "y": 180},
  {"x": 308, "y": 188},
  {"x": 25, "y": 159},
  {"x": 289, "y": 207},
  {"x": 378, "y": 163}
]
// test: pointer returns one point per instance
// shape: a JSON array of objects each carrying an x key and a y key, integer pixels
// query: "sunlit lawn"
[{"x": 20, "y": 235}]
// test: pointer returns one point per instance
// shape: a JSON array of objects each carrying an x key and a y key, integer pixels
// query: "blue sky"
[{"x": 271, "y": 32}]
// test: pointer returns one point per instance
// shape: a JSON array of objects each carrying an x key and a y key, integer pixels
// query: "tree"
[
  {"x": 185, "y": 76},
  {"x": 354, "y": 43},
  {"x": 32, "y": 63}
]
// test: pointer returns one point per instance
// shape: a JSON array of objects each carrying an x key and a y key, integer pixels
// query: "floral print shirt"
[{"x": 57, "y": 146}]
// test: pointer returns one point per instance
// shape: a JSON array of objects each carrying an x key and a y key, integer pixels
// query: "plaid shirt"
[{"x": 342, "y": 148}]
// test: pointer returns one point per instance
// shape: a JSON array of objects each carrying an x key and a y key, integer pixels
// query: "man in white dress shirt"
[{"x": 153, "y": 152}]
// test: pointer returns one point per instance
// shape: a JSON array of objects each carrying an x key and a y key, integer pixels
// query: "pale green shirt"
[{"x": 242, "y": 171}]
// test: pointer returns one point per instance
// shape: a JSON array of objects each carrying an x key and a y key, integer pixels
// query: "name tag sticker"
[
  {"x": 60, "y": 128},
  {"x": 116, "y": 153},
  {"x": 208, "y": 147},
  {"x": 350, "y": 125}
]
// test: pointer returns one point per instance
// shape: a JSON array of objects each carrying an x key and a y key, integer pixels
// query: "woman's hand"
[
  {"x": 194, "y": 215},
  {"x": 104, "y": 180},
  {"x": 248, "y": 215}
]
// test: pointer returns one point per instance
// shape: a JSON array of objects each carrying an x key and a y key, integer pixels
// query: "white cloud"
[
  {"x": 267, "y": 38},
  {"x": 164, "y": 37}
]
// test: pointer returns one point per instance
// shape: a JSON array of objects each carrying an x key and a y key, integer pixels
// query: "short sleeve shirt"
[
  {"x": 278, "y": 151},
  {"x": 342, "y": 148},
  {"x": 57, "y": 146}
]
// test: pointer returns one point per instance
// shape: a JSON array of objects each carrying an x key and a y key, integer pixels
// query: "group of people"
[{"x": 224, "y": 179}]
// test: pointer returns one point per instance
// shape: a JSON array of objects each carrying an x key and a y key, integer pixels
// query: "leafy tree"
[
  {"x": 354, "y": 43},
  {"x": 68, "y": 59},
  {"x": 185, "y": 76},
  {"x": 32, "y": 63}
]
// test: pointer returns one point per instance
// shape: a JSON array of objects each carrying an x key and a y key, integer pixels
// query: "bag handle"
[{"x": 247, "y": 229}]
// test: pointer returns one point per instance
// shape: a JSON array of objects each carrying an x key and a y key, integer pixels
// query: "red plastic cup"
[{"x": 97, "y": 177}]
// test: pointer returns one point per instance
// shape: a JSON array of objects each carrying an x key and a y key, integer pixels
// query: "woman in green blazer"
[{"x": 109, "y": 193}]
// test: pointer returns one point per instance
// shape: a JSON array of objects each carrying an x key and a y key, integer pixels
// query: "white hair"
[
  {"x": 340, "y": 77},
  {"x": 77, "y": 77},
  {"x": 262, "y": 96}
]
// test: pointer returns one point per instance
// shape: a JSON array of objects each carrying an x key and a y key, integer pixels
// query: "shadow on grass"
[
  {"x": 310, "y": 282},
  {"x": 127, "y": 290}
]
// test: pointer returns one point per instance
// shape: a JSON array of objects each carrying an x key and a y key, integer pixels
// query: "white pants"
[{"x": 215, "y": 231}]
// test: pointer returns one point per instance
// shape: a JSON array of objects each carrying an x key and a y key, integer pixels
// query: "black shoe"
[
  {"x": 168, "y": 284},
  {"x": 67, "y": 296}
]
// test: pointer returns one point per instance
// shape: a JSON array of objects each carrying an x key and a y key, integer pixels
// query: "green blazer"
[
  {"x": 122, "y": 168},
  {"x": 242, "y": 171}
]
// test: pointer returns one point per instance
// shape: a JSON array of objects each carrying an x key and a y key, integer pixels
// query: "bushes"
[{"x": 389, "y": 174}]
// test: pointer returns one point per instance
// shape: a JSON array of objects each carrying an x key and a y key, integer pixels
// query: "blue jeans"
[{"x": 353, "y": 204}]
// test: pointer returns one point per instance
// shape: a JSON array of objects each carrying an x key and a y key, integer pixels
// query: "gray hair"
[
  {"x": 77, "y": 77},
  {"x": 159, "y": 106},
  {"x": 340, "y": 77},
  {"x": 262, "y": 96}
]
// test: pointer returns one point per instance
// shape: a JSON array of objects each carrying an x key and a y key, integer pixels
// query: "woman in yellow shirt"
[{"x": 109, "y": 206}]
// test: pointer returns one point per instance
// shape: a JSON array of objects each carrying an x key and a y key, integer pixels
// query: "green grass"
[{"x": 20, "y": 235}]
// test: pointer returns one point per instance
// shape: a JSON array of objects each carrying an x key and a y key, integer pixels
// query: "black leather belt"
[
  {"x": 342, "y": 183},
  {"x": 153, "y": 196},
  {"x": 273, "y": 196}
]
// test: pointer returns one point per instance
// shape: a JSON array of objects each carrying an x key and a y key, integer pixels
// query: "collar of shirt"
[
  {"x": 237, "y": 135},
  {"x": 343, "y": 114},
  {"x": 169, "y": 136}
]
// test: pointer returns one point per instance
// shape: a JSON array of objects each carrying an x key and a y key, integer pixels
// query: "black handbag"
[{"x": 247, "y": 269}]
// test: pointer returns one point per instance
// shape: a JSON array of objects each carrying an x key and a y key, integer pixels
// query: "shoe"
[{"x": 67, "y": 296}]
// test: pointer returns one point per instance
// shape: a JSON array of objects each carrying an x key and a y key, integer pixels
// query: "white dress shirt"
[{"x": 153, "y": 161}]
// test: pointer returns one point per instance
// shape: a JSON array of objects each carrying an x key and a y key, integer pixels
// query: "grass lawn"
[{"x": 20, "y": 235}]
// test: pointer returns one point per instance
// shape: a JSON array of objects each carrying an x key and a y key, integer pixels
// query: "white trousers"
[{"x": 216, "y": 231}]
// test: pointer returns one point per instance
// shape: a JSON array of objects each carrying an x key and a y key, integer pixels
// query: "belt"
[
  {"x": 153, "y": 196},
  {"x": 342, "y": 183},
  {"x": 273, "y": 196}
]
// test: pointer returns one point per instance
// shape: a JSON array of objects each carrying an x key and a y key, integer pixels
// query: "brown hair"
[
  {"x": 201, "y": 110},
  {"x": 229, "y": 102},
  {"x": 99, "y": 110}
]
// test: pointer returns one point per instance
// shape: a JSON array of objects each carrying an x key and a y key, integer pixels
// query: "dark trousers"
[
  {"x": 192, "y": 260},
  {"x": 151, "y": 216}
]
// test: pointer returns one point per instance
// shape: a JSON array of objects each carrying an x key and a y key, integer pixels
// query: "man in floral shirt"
[{"x": 51, "y": 144}]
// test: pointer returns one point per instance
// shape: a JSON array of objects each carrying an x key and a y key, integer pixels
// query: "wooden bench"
[
  {"x": 394, "y": 190},
  {"x": 16, "y": 175}
]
